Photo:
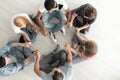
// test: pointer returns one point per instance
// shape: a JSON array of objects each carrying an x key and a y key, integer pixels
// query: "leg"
[
  {"x": 44, "y": 63},
  {"x": 60, "y": 57},
  {"x": 61, "y": 17}
]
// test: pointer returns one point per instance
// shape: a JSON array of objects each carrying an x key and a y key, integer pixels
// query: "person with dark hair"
[
  {"x": 53, "y": 9},
  {"x": 10, "y": 62},
  {"x": 83, "y": 16},
  {"x": 61, "y": 73},
  {"x": 54, "y": 59}
]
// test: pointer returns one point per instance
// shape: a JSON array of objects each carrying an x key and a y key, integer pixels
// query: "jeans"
[
  {"x": 32, "y": 35},
  {"x": 47, "y": 17},
  {"x": 53, "y": 60}
]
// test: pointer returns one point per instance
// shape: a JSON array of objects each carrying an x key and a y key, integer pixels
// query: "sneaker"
[
  {"x": 57, "y": 49},
  {"x": 63, "y": 30},
  {"x": 53, "y": 37}
]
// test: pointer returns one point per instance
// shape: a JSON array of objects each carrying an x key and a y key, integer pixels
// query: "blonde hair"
[
  {"x": 18, "y": 19},
  {"x": 90, "y": 48}
]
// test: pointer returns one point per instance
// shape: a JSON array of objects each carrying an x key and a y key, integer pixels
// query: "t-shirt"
[
  {"x": 66, "y": 70},
  {"x": 81, "y": 12},
  {"x": 15, "y": 28},
  {"x": 61, "y": 2}
]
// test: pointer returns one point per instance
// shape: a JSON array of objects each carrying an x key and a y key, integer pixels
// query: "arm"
[
  {"x": 84, "y": 27},
  {"x": 34, "y": 25},
  {"x": 72, "y": 19},
  {"x": 39, "y": 15},
  {"x": 69, "y": 56},
  {"x": 41, "y": 24},
  {"x": 68, "y": 14},
  {"x": 79, "y": 36},
  {"x": 27, "y": 61},
  {"x": 26, "y": 37},
  {"x": 37, "y": 64}
]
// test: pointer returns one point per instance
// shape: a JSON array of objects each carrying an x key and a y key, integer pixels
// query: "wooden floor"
[{"x": 105, "y": 31}]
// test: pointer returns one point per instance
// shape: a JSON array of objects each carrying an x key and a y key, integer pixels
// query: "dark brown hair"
[
  {"x": 90, "y": 12},
  {"x": 57, "y": 76},
  {"x": 2, "y": 62}
]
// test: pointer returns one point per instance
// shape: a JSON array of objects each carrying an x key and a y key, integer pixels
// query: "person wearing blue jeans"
[
  {"x": 10, "y": 63},
  {"x": 53, "y": 9}
]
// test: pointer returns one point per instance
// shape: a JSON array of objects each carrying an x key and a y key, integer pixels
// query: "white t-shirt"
[
  {"x": 15, "y": 28},
  {"x": 62, "y": 2}
]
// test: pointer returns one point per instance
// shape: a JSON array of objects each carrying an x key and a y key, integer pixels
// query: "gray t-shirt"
[{"x": 67, "y": 72}]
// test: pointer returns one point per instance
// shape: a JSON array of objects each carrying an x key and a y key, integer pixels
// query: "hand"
[
  {"x": 77, "y": 30},
  {"x": 69, "y": 24},
  {"x": 37, "y": 53},
  {"x": 44, "y": 32},
  {"x": 67, "y": 46},
  {"x": 74, "y": 15},
  {"x": 27, "y": 44}
]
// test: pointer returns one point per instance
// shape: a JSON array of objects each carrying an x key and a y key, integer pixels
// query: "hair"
[
  {"x": 90, "y": 12},
  {"x": 20, "y": 18},
  {"x": 2, "y": 62},
  {"x": 57, "y": 76},
  {"x": 90, "y": 48},
  {"x": 49, "y": 4}
]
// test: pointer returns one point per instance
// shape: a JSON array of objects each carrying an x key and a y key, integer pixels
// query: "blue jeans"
[{"x": 56, "y": 14}]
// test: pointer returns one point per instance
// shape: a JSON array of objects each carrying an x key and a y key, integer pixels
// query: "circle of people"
[{"x": 58, "y": 64}]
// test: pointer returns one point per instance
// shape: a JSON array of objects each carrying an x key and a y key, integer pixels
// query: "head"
[
  {"x": 2, "y": 62},
  {"x": 21, "y": 21},
  {"x": 57, "y": 74},
  {"x": 90, "y": 48},
  {"x": 49, "y": 4},
  {"x": 90, "y": 13}
]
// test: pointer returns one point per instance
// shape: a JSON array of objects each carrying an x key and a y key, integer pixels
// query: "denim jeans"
[
  {"x": 54, "y": 27},
  {"x": 53, "y": 60},
  {"x": 32, "y": 35},
  {"x": 13, "y": 67}
]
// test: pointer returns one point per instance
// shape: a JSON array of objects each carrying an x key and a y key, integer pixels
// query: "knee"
[{"x": 63, "y": 54}]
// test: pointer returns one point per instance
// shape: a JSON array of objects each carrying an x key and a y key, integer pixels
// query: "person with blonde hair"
[{"x": 21, "y": 23}]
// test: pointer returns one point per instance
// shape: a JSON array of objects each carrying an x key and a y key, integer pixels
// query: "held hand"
[
  {"x": 27, "y": 44},
  {"x": 77, "y": 30},
  {"x": 67, "y": 46},
  {"x": 37, "y": 53},
  {"x": 70, "y": 24},
  {"x": 74, "y": 15},
  {"x": 45, "y": 32}
]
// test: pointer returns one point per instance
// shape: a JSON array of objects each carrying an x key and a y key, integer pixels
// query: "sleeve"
[
  {"x": 11, "y": 69},
  {"x": 20, "y": 66},
  {"x": 43, "y": 76},
  {"x": 77, "y": 59},
  {"x": 5, "y": 49},
  {"x": 65, "y": 6}
]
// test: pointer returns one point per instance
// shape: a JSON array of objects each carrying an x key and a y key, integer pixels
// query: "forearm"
[
  {"x": 34, "y": 25},
  {"x": 80, "y": 38},
  {"x": 37, "y": 66},
  {"x": 40, "y": 23},
  {"x": 69, "y": 57},
  {"x": 27, "y": 61},
  {"x": 68, "y": 15},
  {"x": 25, "y": 35},
  {"x": 84, "y": 27}
]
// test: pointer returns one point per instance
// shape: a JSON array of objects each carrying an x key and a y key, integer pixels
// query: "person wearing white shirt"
[
  {"x": 21, "y": 23},
  {"x": 53, "y": 9}
]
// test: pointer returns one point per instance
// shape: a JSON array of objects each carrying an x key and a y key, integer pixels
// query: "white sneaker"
[
  {"x": 53, "y": 37},
  {"x": 63, "y": 30}
]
